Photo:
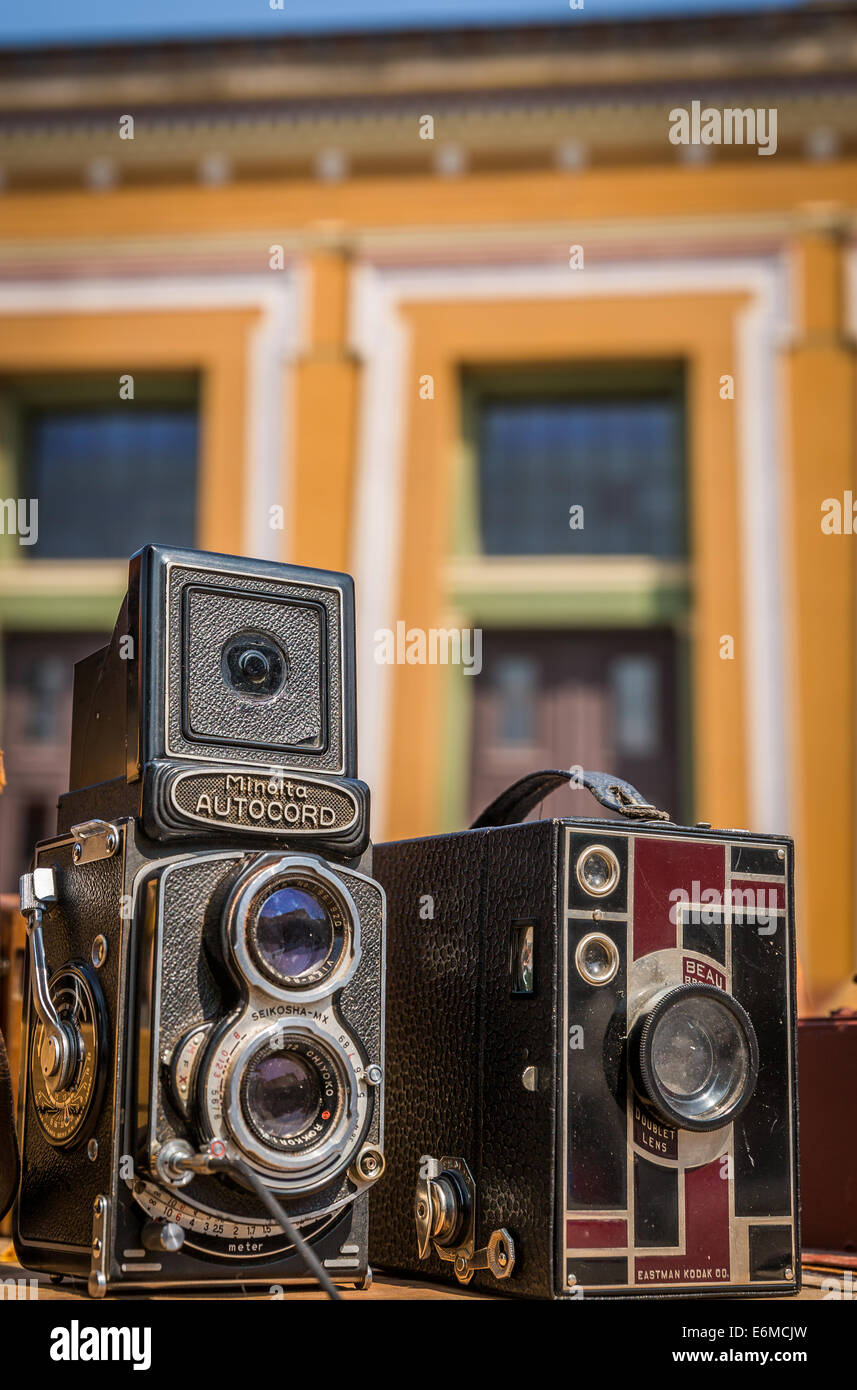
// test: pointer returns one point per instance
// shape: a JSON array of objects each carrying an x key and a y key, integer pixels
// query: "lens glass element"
[
  {"x": 282, "y": 1095},
  {"x": 291, "y": 1094},
  {"x": 597, "y": 958},
  {"x": 253, "y": 665},
  {"x": 294, "y": 933},
  {"x": 700, "y": 1058},
  {"x": 597, "y": 871}
]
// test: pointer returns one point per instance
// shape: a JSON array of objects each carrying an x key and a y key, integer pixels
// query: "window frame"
[{"x": 561, "y": 591}]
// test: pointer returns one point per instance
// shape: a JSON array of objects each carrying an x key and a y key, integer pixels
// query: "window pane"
[
  {"x": 636, "y": 705},
  {"x": 516, "y": 693},
  {"x": 109, "y": 481},
  {"x": 620, "y": 458}
]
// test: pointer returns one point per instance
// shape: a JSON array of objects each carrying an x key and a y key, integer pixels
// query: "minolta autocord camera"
[{"x": 203, "y": 1036}]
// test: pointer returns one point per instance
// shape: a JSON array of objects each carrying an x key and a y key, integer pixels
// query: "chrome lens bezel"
[
  {"x": 612, "y": 950},
  {"x": 615, "y": 870},
  {"x": 303, "y": 1170},
  {"x": 645, "y": 1073},
  {"x": 248, "y": 894}
]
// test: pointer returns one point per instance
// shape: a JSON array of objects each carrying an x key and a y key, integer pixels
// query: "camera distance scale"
[{"x": 217, "y": 1232}]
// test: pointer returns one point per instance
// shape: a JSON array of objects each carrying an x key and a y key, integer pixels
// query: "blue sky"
[{"x": 75, "y": 21}]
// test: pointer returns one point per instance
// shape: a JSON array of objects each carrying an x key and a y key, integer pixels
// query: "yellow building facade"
[{"x": 337, "y": 243}]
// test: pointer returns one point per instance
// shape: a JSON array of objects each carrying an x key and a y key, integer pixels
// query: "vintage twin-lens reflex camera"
[
  {"x": 204, "y": 1025},
  {"x": 590, "y": 1054}
]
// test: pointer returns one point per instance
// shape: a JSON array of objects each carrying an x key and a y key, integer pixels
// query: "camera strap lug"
[
  {"x": 445, "y": 1214},
  {"x": 94, "y": 839}
]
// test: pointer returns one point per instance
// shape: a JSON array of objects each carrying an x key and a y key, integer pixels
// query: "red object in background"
[{"x": 827, "y": 1078}]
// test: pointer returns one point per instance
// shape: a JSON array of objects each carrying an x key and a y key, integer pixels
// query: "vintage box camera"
[
  {"x": 590, "y": 1054},
  {"x": 204, "y": 1026}
]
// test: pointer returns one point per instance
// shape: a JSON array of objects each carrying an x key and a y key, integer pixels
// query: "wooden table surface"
[{"x": 385, "y": 1288}]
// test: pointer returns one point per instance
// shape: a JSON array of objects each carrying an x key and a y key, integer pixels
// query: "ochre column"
[
  {"x": 325, "y": 418},
  {"x": 821, "y": 598}
]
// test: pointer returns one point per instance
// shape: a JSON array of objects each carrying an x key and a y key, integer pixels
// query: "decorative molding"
[
  {"x": 274, "y": 346},
  {"x": 380, "y": 335}
]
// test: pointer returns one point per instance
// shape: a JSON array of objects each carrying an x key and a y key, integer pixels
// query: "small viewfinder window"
[{"x": 522, "y": 961}]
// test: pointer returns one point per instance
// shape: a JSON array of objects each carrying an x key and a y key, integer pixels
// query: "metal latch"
[
  {"x": 60, "y": 1050},
  {"x": 94, "y": 839},
  {"x": 445, "y": 1215}
]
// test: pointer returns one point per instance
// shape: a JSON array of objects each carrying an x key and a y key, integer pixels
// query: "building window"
[
  {"x": 635, "y": 681},
  {"x": 517, "y": 692},
  {"x": 572, "y": 557},
  {"x": 617, "y": 458},
  {"x": 110, "y": 479}
]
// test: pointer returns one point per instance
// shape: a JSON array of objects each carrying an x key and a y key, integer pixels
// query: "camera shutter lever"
[{"x": 94, "y": 839}]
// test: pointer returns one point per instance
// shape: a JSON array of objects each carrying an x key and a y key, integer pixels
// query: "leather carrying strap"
[
  {"x": 10, "y": 1163},
  {"x": 517, "y": 801}
]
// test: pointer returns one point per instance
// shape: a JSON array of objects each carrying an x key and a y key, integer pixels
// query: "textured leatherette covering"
[{"x": 458, "y": 1041}]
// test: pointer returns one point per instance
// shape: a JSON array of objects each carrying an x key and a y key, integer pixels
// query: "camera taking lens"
[
  {"x": 290, "y": 1095},
  {"x": 697, "y": 1058}
]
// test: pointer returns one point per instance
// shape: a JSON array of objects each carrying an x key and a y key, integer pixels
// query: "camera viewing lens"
[
  {"x": 597, "y": 959},
  {"x": 297, "y": 930},
  {"x": 698, "y": 1057},
  {"x": 294, "y": 933},
  {"x": 254, "y": 665},
  {"x": 597, "y": 870},
  {"x": 282, "y": 1095}
]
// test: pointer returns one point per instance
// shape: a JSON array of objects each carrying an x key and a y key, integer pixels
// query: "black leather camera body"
[
  {"x": 204, "y": 1015},
  {"x": 591, "y": 1054}
]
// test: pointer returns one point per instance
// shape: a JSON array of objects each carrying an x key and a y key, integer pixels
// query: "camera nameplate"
[{"x": 264, "y": 805}]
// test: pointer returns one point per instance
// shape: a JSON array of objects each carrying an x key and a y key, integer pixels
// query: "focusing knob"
[
  {"x": 165, "y": 1236},
  {"x": 60, "y": 1055}
]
